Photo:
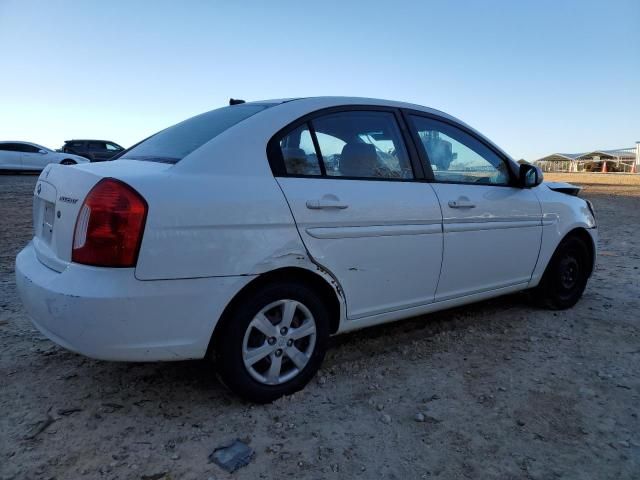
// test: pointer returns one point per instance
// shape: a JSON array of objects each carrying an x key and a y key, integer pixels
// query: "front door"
[
  {"x": 492, "y": 228},
  {"x": 34, "y": 158},
  {"x": 360, "y": 214},
  {"x": 112, "y": 149}
]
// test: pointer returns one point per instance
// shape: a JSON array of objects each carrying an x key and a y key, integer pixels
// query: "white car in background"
[
  {"x": 227, "y": 236},
  {"x": 25, "y": 156}
]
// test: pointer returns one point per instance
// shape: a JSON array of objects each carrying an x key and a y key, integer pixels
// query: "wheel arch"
[
  {"x": 321, "y": 282},
  {"x": 583, "y": 234},
  {"x": 552, "y": 238}
]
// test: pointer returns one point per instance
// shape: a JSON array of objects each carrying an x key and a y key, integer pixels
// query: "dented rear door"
[{"x": 384, "y": 247}]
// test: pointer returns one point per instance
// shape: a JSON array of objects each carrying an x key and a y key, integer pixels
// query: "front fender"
[{"x": 561, "y": 214}]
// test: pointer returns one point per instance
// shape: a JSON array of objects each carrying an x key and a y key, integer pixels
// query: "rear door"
[
  {"x": 33, "y": 157},
  {"x": 349, "y": 181},
  {"x": 98, "y": 151},
  {"x": 492, "y": 227}
]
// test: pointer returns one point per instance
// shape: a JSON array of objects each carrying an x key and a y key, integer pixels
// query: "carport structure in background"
[{"x": 623, "y": 160}]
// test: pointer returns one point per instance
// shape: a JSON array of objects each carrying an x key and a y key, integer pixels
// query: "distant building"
[{"x": 617, "y": 160}]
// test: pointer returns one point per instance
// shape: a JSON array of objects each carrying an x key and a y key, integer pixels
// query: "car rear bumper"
[{"x": 106, "y": 313}]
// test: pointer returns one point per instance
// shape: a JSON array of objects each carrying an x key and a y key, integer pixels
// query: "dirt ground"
[{"x": 506, "y": 391}]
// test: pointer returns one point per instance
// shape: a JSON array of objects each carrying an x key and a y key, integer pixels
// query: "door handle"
[
  {"x": 461, "y": 203},
  {"x": 326, "y": 204}
]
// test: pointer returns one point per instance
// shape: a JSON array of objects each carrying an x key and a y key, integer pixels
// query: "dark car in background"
[{"x": 94, "y": 150}]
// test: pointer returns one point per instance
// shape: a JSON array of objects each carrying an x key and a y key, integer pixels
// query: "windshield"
[{"x": 174, "y": 143}]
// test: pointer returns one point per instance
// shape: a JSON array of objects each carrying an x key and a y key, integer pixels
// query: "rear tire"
[
  {"x": 68, "y": 161},
  {"x": 565, "y": 278},
  {"x": 273, "y": 342}
]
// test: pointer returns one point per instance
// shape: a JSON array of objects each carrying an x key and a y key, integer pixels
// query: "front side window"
[
  {"x": 353, "y": 144},
  {"x": 457, "y": 157},
  {"x": 112, "y": 148},
  {"x": 28, "y": 148}
]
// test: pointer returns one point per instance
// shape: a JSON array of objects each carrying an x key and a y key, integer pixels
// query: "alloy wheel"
[{"x": 279, "y": 342}]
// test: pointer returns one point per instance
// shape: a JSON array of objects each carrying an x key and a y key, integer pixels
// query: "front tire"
[
  {"x": 273, "y": 342},
  {"x": 565, "y": 278}
]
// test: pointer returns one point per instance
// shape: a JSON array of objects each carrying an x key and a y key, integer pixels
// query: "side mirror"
[
  {"x": 530, "y": 175},
  {"x": 42, "y": 152}
]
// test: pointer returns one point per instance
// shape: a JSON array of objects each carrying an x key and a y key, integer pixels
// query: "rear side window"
[
  {"x": 350, "y": 144},
  {"x": 174, "y": 143},
  {"x": 299, "y": 153},
  {"x": 97, "y": 146},
  {"x": 9, "y": 147},
  {"x": 362, "y": 145}
]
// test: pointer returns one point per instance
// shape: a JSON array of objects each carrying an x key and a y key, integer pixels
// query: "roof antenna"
[{"x": 235, "y": 101}]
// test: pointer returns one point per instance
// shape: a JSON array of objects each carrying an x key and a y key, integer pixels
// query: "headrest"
[
  {"x": 358, "y": 160},
  {"x": 440, "y": 152}
]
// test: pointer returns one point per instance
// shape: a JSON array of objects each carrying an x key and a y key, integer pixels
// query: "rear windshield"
[{"x": 174, "y": 143}]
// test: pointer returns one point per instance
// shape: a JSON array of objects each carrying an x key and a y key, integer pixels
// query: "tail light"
[{"x": 109, "y": 226}]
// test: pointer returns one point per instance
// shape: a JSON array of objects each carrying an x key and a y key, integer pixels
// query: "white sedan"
[
  {"x": 250, "y": 234},
  {"x": 25, "y": 156}
]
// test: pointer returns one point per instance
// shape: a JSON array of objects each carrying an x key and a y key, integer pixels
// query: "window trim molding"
[
  {"x": 316, "y": 146},
  {"x": 276, "y": 161}
]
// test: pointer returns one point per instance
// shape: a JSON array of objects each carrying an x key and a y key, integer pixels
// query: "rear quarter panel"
[{"x": 215, "y": 225}]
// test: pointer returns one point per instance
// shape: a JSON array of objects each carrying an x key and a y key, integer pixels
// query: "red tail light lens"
[{"x": 109, "y": 226}]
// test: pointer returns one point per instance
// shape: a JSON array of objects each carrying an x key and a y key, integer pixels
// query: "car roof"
[
  {"x": 344, "y": 100},
  {"x": 280, "y": 114},
  {"x": 89, "y": 140},
  {"x": 320, "y": 102},
  {"x": 274, "y": 101}
]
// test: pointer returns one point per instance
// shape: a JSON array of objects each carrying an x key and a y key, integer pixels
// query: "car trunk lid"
[{"x": 58, "y": 197}]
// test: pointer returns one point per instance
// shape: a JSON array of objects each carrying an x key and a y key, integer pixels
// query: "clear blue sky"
[{"x": 536, "y": 77}]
